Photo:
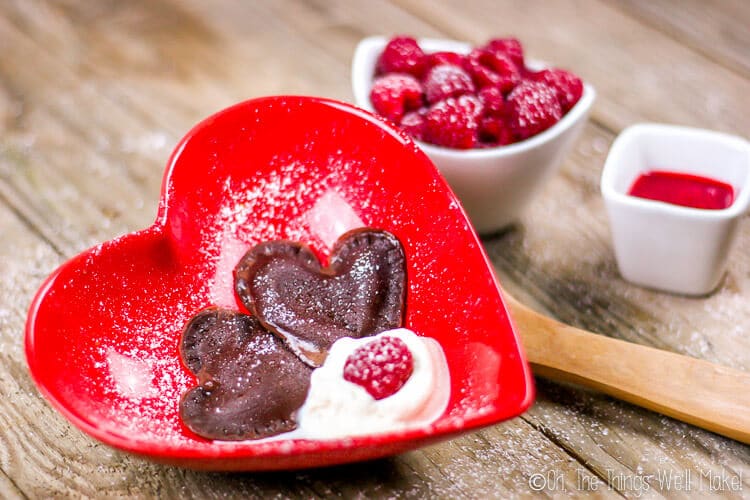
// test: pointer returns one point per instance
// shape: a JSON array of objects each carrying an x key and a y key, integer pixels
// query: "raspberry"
[
  {"x": 402, "y": 54},
  {"x": 494, "y": 131},
  {"x": 413, "y": 124},
  {"x": 509, "y": 47},
  {"x": 492, "y": 69},
  {"x": 568, "y": 86},
  {"x": 471, "y": 104},
  {"x": 438, "y": 58},
  {"x": 446, "y": 81},
  {"x": 382, "y": 366},
  {"x": 492, "y": 101},
  {"x": 395, "y": 94},
  {"x": 533, "y": 108},
  {"x": 481, "y": 75},
  {"x": 453, "y": 122}
]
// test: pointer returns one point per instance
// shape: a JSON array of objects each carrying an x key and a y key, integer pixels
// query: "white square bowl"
[
  {"x": 493, "y": 184},
  {"x": 664, "y": 246}
]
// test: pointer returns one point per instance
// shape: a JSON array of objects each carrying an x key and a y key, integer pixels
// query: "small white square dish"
[{"x": 661, "y": 245}]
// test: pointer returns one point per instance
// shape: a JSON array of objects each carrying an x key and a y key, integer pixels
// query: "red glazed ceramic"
[{"x": 103, "y": 331}]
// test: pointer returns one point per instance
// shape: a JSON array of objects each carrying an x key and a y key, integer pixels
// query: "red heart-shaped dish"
[{"x": 103, "y": 332}]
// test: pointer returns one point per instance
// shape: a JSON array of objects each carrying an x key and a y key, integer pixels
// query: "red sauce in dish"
[{"x": 683, "y": 189}]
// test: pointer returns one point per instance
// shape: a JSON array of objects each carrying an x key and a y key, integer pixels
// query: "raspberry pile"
[{"x": 486, "y": 98}]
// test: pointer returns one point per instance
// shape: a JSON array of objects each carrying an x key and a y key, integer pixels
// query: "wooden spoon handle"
[{"x": 704, "y": 394}]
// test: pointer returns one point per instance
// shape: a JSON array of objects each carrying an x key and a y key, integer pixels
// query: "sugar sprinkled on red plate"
[{"x": 255, "y": 172}]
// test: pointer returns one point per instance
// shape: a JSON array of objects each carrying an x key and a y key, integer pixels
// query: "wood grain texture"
[
  {"x": 86, "y": 130},
  {"x": 717, "y": 28},
  {"x": 692, "y": 390}
]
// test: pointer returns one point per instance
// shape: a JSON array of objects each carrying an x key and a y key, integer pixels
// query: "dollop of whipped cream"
[{"x": 337, "y": 408}]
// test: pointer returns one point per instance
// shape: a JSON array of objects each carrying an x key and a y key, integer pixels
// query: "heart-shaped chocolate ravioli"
[
  {"x": 250, "y": 384},
  {"x": 360, "y": 293}
]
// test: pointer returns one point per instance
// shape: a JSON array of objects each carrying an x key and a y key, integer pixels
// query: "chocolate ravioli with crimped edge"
[
  {"x": 250, "y": 385},
  {"x": 360, "y": 293}
]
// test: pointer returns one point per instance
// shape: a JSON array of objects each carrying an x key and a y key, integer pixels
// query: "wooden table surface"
[{"x": 94, "y": 95}]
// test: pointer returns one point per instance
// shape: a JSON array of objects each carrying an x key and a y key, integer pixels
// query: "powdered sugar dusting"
[
  {"x": 133, "y": 378},
  {"x": 330, "y": 217},
  {"x": 286, "y": 203},
  {"x": 139, "y": 377}
]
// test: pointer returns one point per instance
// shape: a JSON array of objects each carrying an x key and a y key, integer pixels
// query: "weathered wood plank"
[
  {"x": 717, "y": 29},
  {"x": 86, "y": 132}
]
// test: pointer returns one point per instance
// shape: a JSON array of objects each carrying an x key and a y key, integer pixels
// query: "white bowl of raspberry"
[{"x": 495, "y": 125}]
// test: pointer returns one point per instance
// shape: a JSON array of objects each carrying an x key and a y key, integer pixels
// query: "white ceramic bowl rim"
[
  {"x": 739, "y": 204},
  {"x": 362, "y": 76}
]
